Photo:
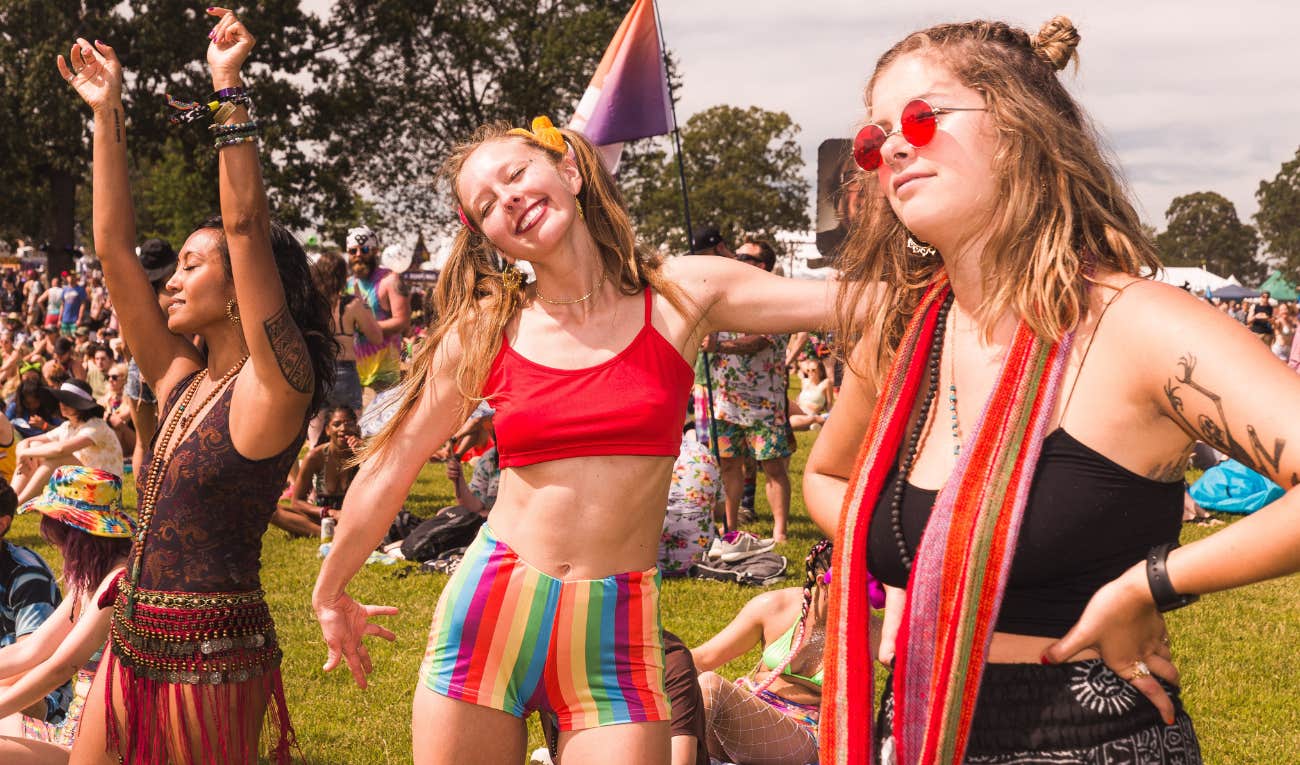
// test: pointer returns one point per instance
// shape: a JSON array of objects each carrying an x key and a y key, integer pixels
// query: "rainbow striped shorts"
[{"x": 507, "y": 636}]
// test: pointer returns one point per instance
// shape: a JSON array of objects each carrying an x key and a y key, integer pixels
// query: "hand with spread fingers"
[
  {"x": 344, "y": 622},
  {"x": 1122, "y": 624},
  {"x": 94, "y": 72},
  {"x": 231, "y": 42}
]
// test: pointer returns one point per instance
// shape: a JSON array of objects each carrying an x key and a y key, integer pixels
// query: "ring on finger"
[
  {"x": 1166, "y": 641},
  {"x": 1139, "y": 671}
]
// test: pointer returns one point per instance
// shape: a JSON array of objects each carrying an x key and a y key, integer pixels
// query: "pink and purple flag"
[{"x": 628, "y": 96}]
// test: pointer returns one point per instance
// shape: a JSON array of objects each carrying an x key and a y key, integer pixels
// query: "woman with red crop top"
[
  {"x": 192, "y": 670},
  {"x": 555, "y": 605},
  {"x": 1007, "y": 453}
]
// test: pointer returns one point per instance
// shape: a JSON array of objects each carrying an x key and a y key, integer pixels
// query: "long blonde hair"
[
  {"x": 472, "y": 295},
  {"x": 1064, "y": 212}
]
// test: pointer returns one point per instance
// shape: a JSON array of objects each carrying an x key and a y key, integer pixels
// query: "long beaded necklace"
[
  {"x": 914, "y": 441},
  {"x": 162, "y": 457},
  {"x": 952, "y": 386},
  {"x": 574, "y": 300}
]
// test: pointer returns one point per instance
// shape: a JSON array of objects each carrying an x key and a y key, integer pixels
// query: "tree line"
[{"x": 358, "y": 111}]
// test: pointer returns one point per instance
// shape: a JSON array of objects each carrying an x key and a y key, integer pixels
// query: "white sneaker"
[{"x": 742, "y": 545}]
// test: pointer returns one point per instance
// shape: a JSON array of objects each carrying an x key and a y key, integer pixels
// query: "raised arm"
[
  {"x": 737, "y": 297},
  {"x": 278, "y": 355},
  {"x": 96, "y": 74},
  {"x": 371, "y": 504}
]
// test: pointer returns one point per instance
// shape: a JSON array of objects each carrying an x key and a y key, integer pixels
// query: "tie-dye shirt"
[{"x": 377, "y": 365}]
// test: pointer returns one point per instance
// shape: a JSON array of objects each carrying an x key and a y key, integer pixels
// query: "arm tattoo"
[
  {"x": 1214, "y": 430},
  {"x": 117, "y": 125},
  {"x": 290, "y": 350}
]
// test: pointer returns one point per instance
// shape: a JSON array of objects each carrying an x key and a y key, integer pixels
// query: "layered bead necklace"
[
  {"x": 914, "y": 440},
  {"x": 161, "y": 460}
]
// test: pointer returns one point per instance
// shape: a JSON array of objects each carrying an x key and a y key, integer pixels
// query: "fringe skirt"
[
  {"x": 1080, "y": 713},
  {"x": 199, "y": 678}
]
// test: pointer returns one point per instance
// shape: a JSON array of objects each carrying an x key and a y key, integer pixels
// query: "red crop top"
[{"x": 634, "y": 403}]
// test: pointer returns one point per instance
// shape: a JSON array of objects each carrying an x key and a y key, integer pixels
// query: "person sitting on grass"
[
  {"x": 34, "y": 411},
  {"x": 324, "y": 477},
  {"x": 815, "y": 396},
  {"x": 117, "y": 409},
  {"x": 83, "y": 520},
  {"x": 480, "y": 494},
  {"x": 84, "y": 439},
  {"x": 770, "y": 716}
]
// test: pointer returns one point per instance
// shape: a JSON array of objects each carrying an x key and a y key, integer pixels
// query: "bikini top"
[
  {"x": 776, "y": 651},
  {"x": 631, "y": 404}
]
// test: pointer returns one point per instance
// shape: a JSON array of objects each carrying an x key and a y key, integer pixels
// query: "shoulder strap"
[
  {"x": 648, "y": 304},
  {"x": 1096, "y": 328}
]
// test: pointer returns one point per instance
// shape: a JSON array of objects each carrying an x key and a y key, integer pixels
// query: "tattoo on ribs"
[
  {"x": 290, "y": 350},
  {"x": 1170, "y": 471},
  {"x": 1213, "y": 428}
]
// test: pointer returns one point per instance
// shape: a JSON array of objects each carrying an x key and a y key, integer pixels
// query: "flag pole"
[{"x": 686, "y": 214}]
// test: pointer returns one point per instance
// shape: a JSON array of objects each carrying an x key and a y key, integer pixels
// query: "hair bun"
[{"x": 1055, "y": 43}]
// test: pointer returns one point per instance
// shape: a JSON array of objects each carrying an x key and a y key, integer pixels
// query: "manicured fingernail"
[
  {"x": 97, "y": 42},
  {"x": 1044, "y": 660},
  {"x": 1169, "y": 720}
]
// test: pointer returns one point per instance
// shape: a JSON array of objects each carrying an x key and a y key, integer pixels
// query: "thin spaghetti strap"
[
  {"x": 1096, "y": 328},
  {"x": 648, "y": 304}
]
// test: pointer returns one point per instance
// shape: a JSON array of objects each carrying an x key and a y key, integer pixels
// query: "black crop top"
[{"x": 1087, "y": 520}]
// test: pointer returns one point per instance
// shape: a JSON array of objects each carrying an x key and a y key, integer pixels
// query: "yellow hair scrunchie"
[{"x": 544, "y": 133}]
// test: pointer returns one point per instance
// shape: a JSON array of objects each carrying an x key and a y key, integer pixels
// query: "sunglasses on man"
[
  {"x": 364, "y": 250},
  {"x": 917, "y": 125}
]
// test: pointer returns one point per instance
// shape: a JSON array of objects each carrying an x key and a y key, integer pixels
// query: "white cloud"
[{"x": 1191, "y": 96}]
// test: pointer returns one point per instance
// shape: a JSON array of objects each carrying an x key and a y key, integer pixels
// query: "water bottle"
[{"x": 326, "y": 528}]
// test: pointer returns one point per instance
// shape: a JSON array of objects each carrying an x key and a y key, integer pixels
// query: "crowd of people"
[{"x": 603, "y": 422}]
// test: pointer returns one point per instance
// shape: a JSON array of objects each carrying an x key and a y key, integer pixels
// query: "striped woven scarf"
[{"x": 961, "y": 567}]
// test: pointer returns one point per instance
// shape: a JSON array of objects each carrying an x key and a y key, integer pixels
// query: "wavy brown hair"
[
  {"x": 472, "y": 298},
  {"x": 1064, "y": 209}
]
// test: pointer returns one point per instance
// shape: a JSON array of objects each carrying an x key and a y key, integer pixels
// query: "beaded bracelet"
[
  {"x": 231, "y": 140},
  {"x": 230, "y": 94},
  {"x": 252, "y": 126}
]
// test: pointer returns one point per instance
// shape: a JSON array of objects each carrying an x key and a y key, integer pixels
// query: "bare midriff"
[
  {"x": 1025, "y": 649},
  {"x": 584, "y": 517}
]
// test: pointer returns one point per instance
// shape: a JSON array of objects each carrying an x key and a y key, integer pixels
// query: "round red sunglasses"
[{"x": 917, "y": 125}]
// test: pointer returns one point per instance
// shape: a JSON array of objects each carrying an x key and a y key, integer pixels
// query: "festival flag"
[{"x": 628, "y": 96}]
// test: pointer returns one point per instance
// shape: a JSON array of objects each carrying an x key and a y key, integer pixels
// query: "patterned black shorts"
[{"x": 1079, "y": 713}]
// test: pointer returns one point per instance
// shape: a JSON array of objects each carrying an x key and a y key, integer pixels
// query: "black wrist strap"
[{"x": 1162, "y": 590}]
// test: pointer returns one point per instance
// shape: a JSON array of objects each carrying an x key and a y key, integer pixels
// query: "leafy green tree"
[
  {"x": 1202, "y": 229},
  {"x": 1278, "y": 218},
  {"x": 406, "y": 79},
  {"x": 743, "y": 172}
]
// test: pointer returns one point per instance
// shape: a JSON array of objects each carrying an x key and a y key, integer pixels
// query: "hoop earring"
[
  {"x": 919, "y": 248},
  {"x": 512, "y": 278},
  {"x": 231, "y": 311}
]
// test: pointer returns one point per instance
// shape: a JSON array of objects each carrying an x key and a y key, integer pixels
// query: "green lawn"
[{"x": 1241, "y": 684}]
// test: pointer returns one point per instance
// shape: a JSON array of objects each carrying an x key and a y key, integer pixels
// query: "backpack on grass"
[
  {"x": 760, "y": 569},
  {"x": 452, "y": 527}
]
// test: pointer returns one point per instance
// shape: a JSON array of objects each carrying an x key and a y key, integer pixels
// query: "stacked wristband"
[
  {"x": 219, "y": 106},
  {"x": 229, "y": 135}
]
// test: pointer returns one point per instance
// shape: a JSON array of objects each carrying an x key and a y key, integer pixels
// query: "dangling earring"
[
  {"x": 512, "y": 278},
  {"x": 581, "y": 214},
  {"x": 919, "y": 248},
  {"x": 231, "y": 308}
]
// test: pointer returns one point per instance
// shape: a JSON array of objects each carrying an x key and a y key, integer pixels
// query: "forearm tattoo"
[
  {"x": 290, "y": 350},
  {"x": 1213, "y": 428},
  {"x": 117, "y": 125}
]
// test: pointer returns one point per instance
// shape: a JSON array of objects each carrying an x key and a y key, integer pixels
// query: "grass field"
[{"x": 1236, "y": 652}]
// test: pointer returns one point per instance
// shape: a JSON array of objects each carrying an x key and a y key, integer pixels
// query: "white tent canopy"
[{"x": 1197, "y": 278}]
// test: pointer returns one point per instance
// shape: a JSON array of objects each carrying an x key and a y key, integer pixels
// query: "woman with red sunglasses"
[{"x": 1008, "y": 451}]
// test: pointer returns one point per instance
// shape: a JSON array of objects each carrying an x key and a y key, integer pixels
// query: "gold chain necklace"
[
  {"x": 161, "y": 460},
  {"x": 575, "y": 300}
]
